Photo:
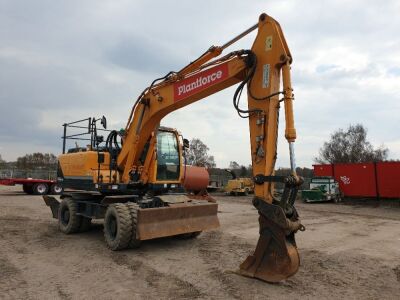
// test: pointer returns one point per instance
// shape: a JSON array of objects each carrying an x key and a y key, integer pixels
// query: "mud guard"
[{"x": 53, "y": 204}]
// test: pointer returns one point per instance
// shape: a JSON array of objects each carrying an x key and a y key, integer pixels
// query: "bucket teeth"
[{"x": 275, "y": 258}]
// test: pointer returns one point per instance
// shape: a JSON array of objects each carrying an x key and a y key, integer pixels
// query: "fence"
[{"x": 37, "y": 174}]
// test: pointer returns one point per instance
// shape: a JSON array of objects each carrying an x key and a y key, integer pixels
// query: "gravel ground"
[{"x": 347, "y": 252}]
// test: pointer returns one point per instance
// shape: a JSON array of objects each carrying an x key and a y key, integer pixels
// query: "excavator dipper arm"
[{"x": 260, "y": 69}]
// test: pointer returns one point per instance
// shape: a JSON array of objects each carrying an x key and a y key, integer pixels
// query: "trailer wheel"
[
  {"x": 40, "y": 189},
  {"x": 27, "y": 188},
  {"x": 56, "y": 189},
  {"x": 68, "y": 220},
  {"x": 118, "y": 226},
  {"x": 134, "y": 242},
  {"x": 246, "y": 192}
]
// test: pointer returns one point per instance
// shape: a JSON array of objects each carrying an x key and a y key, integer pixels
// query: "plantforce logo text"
[{"x": 199, "y": 82}]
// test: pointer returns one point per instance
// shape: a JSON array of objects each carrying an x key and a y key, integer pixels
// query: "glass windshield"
[{"x": 167, "y": 156}]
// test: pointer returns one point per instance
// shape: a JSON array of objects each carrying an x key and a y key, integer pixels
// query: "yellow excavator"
[{"x": 135, "y": 184}]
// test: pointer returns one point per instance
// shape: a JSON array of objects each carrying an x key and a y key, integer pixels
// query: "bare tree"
[
  {"x": 198, "y": 155},
  {"x": 233, "y": 165},
  {"x": 240, "y": 170},
  {"x": 350, "y": 146}
]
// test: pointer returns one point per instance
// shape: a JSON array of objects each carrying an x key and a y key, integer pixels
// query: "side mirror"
[
  {"x": 186, "y": 143},
  {"x": 103, "y": 122}
]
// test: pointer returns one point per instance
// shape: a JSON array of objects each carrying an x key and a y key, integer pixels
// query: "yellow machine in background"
[
  {"x": 239, "y": 185},
  {"x": 135, "y": 184}
]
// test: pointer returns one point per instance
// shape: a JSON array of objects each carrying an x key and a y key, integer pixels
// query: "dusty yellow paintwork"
[
  {"x": 85, "y": 163},
  {"x": 82, "y": 164}
]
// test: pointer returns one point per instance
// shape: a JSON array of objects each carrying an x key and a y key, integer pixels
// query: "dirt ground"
[{"x": 347, "y": 252}]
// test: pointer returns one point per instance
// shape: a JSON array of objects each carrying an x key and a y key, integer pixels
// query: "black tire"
[
  {"x": 56, "y": 189},
  {"x": 40, "y": 188},
  {"x": 28, "y": 189},
  {"x": 118, "y": 226},
  {"x": 134, "y": 242},
  {"x": 68, "y": 220},
  {"x": 246, "y": 192},
  {"x": 85, "y": 224}
]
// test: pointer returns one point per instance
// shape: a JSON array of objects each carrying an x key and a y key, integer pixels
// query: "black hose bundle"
[
  {"x": 112, "y": 142},
  {"x": 251, "y": 62}
]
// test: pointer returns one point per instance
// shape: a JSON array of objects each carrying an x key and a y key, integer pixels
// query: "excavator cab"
[{"x": 168, "y": 156}]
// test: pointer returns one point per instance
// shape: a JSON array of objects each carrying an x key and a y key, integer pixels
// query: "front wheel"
[{"x": 118, "y": 226}]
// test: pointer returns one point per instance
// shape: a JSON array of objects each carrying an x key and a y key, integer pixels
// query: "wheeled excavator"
[{"x": 136, "y": 186}]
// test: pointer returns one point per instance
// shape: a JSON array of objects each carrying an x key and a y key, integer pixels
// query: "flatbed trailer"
[{"x": 32, "y": 186}]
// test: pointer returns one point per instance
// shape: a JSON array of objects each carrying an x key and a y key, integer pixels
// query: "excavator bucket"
[
  {"x": 275, "y": 257},
  {"x": 177, "y": 218}
]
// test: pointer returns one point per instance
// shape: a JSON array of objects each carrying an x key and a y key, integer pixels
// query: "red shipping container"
[
  {"x": 323, "y": 170},
  {"x": 356, "y": 180},
  {"x": 380, "y": 179},
  {"x": 388, "y": 174}
]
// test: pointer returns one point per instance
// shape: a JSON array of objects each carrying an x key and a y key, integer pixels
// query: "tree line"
[{"x": 33, "y": 161}]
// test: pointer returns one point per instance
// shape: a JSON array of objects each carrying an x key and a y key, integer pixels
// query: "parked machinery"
[
  {"x": 136, "y": 186},
  {"x": 239, "y": 185},
  {"x": 322, "y": 189}
]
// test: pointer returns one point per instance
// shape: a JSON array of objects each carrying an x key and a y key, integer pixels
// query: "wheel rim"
[
  {"x": 41, "y": 188},
  {"x": 57, "y": 188}
]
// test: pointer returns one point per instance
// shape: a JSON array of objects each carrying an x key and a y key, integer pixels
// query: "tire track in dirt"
[
  {"x": 210, "y": 252},
  {"x": 343, "y": 275},
  {"x": 12, "y": 282},
  {"x": 165, "y": 286},
  {"x": 396, "y": 271}
]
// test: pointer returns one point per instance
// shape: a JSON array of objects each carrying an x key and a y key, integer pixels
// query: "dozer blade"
[
  {"x": 176, "y": 219},
  {"x": 275, "y": 257}
]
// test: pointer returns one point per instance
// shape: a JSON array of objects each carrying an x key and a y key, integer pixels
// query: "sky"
[{"x": 61, "y": 61}]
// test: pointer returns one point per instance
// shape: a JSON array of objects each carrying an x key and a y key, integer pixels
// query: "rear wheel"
[
  {"x": 40, "y": 188},
  {"x": 56, "y": 189},
  {"x": 27, "y": 188},
  {"x": 68, "y": 220},
  {"x": 118, "y": 226}
]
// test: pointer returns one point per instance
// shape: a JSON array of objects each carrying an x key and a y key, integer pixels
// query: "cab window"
[{"x": 167, "y": 156}]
